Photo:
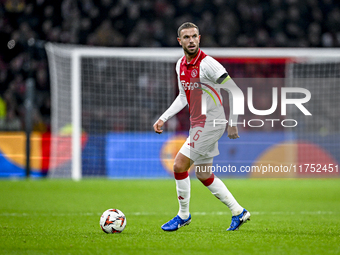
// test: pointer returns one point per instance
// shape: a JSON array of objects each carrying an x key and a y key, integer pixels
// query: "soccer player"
[{"x": 198, "y": 78}]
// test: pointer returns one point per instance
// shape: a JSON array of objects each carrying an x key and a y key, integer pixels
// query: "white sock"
[
  {"x": 183, "y": 194},
  {"x": 219, "y": 190}
]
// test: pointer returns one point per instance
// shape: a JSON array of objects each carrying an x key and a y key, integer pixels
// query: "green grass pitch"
[{"x": 289, "y": 216}]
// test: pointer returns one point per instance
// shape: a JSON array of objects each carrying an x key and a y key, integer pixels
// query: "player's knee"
[
  {"x": 202, "y": 172},
  {"x": 179, "y": 168},
  {"x": 202, "y": 176}
]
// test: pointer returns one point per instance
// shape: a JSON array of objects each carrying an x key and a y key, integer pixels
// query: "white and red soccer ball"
[{"x": 112, "y": 221}]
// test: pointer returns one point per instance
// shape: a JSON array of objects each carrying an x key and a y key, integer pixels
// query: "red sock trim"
[
  {"x": 181, "y": 176},
  {"x": 209, "y": 181}
]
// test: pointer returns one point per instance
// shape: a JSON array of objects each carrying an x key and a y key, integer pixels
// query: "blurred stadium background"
[{"x": 125, "y": 87}]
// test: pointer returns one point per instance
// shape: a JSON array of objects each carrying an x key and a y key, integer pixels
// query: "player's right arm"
[
  {"x": 179, "y": 103},
  {"x": 158, "y": 125}
]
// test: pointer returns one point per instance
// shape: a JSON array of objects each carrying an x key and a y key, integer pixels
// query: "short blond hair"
[{"x": 186, "y": 25}]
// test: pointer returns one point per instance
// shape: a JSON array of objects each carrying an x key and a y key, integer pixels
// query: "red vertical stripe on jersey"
[{"x": 190, "y": 80}]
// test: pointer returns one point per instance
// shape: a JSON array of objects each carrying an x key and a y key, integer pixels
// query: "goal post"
[
  {"x": 76, "y": 115},
  {"x": 105, "y": 100}
]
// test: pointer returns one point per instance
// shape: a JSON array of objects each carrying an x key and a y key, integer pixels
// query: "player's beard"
[{"x": 191, "y": 53}]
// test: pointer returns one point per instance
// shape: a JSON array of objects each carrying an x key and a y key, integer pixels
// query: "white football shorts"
[{"x": 201, "y": 145}]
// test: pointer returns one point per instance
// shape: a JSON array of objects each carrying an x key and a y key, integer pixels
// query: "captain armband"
[{"x": 224, "y": 78}]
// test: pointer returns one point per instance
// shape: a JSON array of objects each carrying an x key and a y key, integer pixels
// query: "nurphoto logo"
[{"x": 238, "y": 105}]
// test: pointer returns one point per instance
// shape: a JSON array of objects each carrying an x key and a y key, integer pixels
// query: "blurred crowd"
[{"x": 24, "y": 24}]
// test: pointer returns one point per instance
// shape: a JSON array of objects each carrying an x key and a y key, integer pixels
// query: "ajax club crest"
[{"x": 194, "y": 73}]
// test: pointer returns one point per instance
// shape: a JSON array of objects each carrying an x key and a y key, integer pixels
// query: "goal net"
[{"x": 105, "y": 101}]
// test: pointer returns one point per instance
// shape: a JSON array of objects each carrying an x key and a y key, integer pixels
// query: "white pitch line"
[{"x": 4, "y": 214}]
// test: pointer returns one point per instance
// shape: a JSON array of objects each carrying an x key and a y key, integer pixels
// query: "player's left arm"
[
  {"x": 217, "y": 74},
  {"x": 229, "y": 85}
]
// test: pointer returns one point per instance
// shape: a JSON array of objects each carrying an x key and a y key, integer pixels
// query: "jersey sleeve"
[{"x": 213, "y": 70}]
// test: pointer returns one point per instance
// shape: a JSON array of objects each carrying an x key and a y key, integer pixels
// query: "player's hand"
[
  {"x": 157, "y": 126},
  {"x": 232, "y": 132}
]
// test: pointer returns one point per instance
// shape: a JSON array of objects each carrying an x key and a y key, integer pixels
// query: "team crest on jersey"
[{"x": 194, "y": 73}]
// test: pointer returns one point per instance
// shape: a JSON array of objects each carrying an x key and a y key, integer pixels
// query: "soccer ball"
[{"x": 112, "y": 221}]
